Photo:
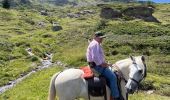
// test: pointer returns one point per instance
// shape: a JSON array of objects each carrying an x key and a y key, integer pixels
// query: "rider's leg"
[
  {"x": 113, "y": 82},
  {"x": 106, "y": 72}
]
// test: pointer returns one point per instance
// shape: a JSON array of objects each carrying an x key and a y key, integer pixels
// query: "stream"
[{"x": 46, "y": 63}]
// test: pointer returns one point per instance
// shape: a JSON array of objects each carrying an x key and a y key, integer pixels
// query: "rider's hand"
[{"x": 110, "y": 65}]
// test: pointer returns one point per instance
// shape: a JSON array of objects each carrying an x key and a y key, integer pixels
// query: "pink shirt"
[{"x": 95, "y": 53}]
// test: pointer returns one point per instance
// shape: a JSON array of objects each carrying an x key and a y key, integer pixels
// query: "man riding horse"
[{"x": 96, "y": 60}]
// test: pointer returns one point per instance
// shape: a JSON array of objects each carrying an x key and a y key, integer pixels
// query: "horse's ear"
[
  {"x": 132, "y": 58},
  {"x": 143, "y": 58}
]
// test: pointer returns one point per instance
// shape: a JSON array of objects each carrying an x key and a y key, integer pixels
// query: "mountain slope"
[{"x": 29, "y": 28}]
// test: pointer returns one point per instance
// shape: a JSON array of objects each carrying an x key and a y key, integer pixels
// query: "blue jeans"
[{"x": 111, "y": 77}]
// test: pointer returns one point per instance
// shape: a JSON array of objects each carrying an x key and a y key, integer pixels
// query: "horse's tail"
[{"x": 52, "y": 91}]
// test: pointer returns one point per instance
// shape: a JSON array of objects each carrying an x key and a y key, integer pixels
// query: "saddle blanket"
[{"x": 88, "y": 73}]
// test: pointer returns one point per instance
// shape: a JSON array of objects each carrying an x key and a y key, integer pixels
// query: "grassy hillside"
[{"x": 21, "y": 29}]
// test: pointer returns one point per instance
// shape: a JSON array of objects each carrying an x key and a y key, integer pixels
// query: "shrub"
[
  {"x": 165, "y": 90},
  {"x": 146, "y": 85},
  {"x": 34, "y": 58},
  {"x": 101, "y": 24},
  {"x": 124, "y": 50},
  {"x": 6, "y": 4}
]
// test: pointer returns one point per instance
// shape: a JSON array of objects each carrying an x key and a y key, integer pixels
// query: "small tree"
[{"x": 6, "y": 4}]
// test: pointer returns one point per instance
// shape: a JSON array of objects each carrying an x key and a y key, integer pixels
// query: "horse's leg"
[
  {"x": 52, "y": 91},
  {"x": 108, "y": 92}
]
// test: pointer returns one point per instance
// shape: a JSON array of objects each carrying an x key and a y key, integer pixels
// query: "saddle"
[{"x": 96, "y": 85}]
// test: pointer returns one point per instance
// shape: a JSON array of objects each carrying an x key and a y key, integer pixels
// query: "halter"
[
  {"x": 123, "y": 78},
  {"x": 137, "y": 82},
  {"x": 144, "y": 75}
]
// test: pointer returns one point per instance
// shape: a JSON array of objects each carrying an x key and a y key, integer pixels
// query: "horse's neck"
[{"x": 123, "y": 65}]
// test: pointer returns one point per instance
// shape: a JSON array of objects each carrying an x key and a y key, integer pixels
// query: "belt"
[{"x": 92, "y": 64}]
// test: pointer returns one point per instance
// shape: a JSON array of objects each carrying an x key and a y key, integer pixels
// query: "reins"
[{"x": 116, "y": 68}]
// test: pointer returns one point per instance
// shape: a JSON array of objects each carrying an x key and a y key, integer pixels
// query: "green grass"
[
  {"x": 145, "y": 96},
  {"x": 36, "y": 86}
]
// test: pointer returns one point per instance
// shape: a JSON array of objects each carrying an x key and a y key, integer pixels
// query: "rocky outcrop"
[
  {"x": 141, "y": 12},
  {"x": 138, "y": 11},
  {"x": 109, "y": 13}
]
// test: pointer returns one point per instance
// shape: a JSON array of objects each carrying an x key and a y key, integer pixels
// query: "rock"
[
  {"x": 44, "y": 12},
  {"x": 84, "y": 12},
  {"x": 141, "y": 12},
  {"x": 46, "y": 35},
  {"x": 29, "y": 51},
  {"x": 109, "y": 13},
  {"x": 150, "y": 91},
  {"x": 71, "y": 15},
  {"x": 151, "y": 19},
  {"x": 56, "y": 27},
  {"x": 41, "y": 24}
]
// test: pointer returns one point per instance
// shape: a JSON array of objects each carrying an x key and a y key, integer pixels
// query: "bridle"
[
  {"x": 123, "y": 78},
  {"x": 144, "y": 75}
]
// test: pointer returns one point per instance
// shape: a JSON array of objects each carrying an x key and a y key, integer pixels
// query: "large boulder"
[
  {"x": 109, "y": 13},
  {"x": 142, "y": 12},
  {"x": 139, "y": 11}
]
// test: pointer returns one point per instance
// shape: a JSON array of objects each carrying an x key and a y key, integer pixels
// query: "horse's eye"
[{"x": 140, "y": 71}]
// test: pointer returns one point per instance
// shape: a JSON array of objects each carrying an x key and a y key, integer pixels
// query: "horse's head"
[{"x": 136, "y": 74}]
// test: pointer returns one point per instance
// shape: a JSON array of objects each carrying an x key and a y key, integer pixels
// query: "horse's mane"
[
  {"x": 128, "y": 61},
  {"x": 125, "y": 62}
]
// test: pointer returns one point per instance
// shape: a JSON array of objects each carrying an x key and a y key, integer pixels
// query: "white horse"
[{"x": 70, "y": 85}]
